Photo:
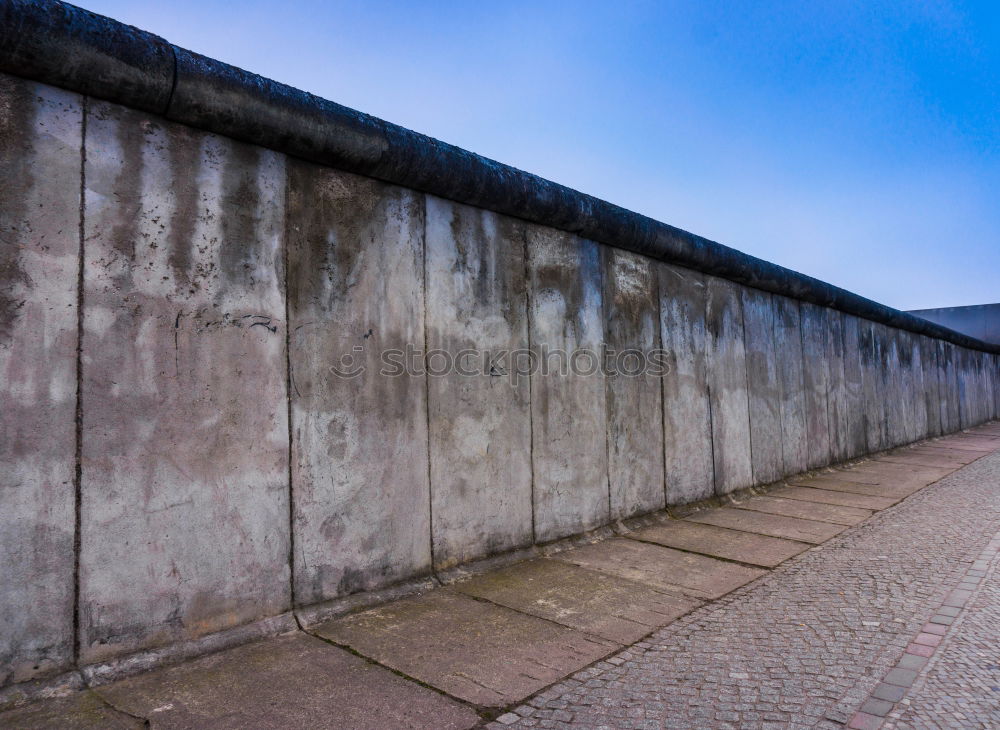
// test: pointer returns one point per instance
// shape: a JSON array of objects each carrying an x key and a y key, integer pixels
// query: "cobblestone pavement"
[
  {"x": 807, "y": 644},
  {"x": 961, "y": 684}
]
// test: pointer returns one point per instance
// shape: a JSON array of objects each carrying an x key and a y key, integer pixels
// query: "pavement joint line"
[
  {"x": 742, "y": 564},
  {"x": 908, "y": 673}
]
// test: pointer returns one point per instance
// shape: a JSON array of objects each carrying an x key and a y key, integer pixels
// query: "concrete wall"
[{"x": 185, "y": 449}]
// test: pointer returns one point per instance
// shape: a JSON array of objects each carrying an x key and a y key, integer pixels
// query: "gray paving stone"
[
  {"x": 790, "y": 528},
  {"x": 830, "y": 496},
  {"x": 479, "y": 652},
  {"x": 745, "y": 547},
  {"x": 80, "y": 711},
  {"x": 289, "y": 681},
  {"x": 806, "y": 510},
  {"x": 662, "y": 567},
  {"x": 616, "y": 609}
]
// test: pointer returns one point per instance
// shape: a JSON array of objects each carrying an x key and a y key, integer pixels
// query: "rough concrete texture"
[
  {"x": 743, "y": 547},
  {"x": 838, "y": 409},
  {"x": 40, "y": 131},
  {"x": 893, "y": 396},
  {"x": 788, "y": 351},
  {"x": 661, "y": 567},
  {"x": 359, "y": 444},
  {"x": 294, "y": 680},
  {"x": 764, "y": 386},
  {"x": 842, "y": 484},
  {"x": 569, "y": 403},
  {"x": 478, "y": 410},
  {"x": 947, "y": 377},
  {"x": 613, "y": 608},
  {"x": 932, "y": 385},
  {"x": 828, "y": 496},
  {"x": 816, "y": 386},
  {"x": 476, "y": 651},
  {"x": 789, "y": 528},
  {"x": 634, "y": 394},
  {"x": 727, "y": 380},
  {"x": 79, "y": 711},
  {"x": 687, "y": 417},
  {"x": 819, "y": 511},
  {"x": 872, "y": 386},
  {"x": 184, "y": 515},
  {"x": 856, "y": 436}
]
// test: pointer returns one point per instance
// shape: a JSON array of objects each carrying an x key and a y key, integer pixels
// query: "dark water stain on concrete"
[
  {"x": 17, "y": 131},
  {"x": 185, "y": 164},
  {"x": 240, "y": 210}
]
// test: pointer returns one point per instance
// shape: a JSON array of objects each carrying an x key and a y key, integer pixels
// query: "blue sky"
[{"x": 858, "y": 142}]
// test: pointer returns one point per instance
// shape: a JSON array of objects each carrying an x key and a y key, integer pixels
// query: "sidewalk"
[{"x": 840, "y": 599}]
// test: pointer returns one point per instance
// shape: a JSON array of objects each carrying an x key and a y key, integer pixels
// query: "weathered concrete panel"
[
  {"x": 872, "y": 384},
  {"x": 359, "y": 444},
  {"x": 962, "y": 372},
  {"x": 854, "y": 388},
  {"x": 911, "y": 372},
  {"x": 635, "y": 397},
  {"x": 764, "y": 385},
  {"x": 788, "y": 350},
  {"x": 816, "y": 384},
  {"x": 727, "y": 378},
  {"x": 687, "y": 414},
  {"x": 932, "y": 385},
  {"x": 40, "y": 138},
  {"x": 837, "y": 409},
  {"x": 894, "y": 392},
  {"x": 480, "y": 420},
  {"x": 568, "y": 398},
  {"x": 948, "y": 376},
  {"x": 185, "y": 433}
]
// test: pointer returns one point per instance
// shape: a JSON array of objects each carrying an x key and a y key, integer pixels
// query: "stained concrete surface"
[
  {"x": 727, "y": 381},
  {"x": 687, "y": 417},
  {"x": 836, "y": 514},
  {"x": 764, "y": 386},
  {"x": 40, "y": 132},
  {"x": 479, "y": 411},
  {"x": 568, "y": 409},
  {"x": 634, "y": 392},
  {"x": 791, "y": 379},
  {"x": 613, "y": 608},
  {"x": 719, "y": 542},
  {"x": 790, "y": 528},
  {"x": 289, "y": 681},
  {"x": 359, "y": 443},
  {"x": 184, "y": 443},
  {"x": 661, "y": 567},
  {"x": 816, "y": 385},
  {"x": 482, "y": 653}
]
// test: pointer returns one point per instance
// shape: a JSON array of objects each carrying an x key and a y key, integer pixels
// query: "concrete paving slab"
[
  {"x": 943, "y": 462},
  {"x": 966, "y": 456},
  {"x": 790, "y": 528},
  {"x": 830, "y": 496},
  {"x": 745, "y": 547},
  {"x": 969, "y": 442},
  {"x": 485, "y": 654},
  {"x": 898, "y": 472},
  {"x": 807, "y": 510},
  {"x": 662, "y": 567},
  {"x": 834, "y": 484},
  {"x": 290, "y": 681},
  {"x": 616, "y": 609},
  {"x": 80, "y": 711}
]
